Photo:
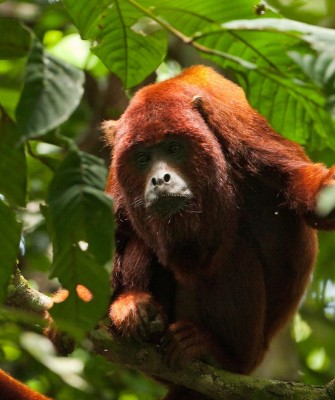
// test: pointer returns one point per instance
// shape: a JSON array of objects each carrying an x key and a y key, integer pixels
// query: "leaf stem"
[
  {"x": 42, "y": 159},
  {"x": 191, "y": 40}
]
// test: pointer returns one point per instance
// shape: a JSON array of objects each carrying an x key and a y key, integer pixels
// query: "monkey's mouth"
[{"x": 168, "y": 204}]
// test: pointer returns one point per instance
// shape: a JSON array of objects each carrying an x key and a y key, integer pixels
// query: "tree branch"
[
  {"x": 21, "y": 295},
  {"x": 198, "y": 376},
  {"x": 201, "y": 377}
]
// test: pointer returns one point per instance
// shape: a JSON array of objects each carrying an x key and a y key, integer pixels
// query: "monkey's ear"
[
  {"x": 198, "y": 104},
  {"x": 109, "y": 129}
]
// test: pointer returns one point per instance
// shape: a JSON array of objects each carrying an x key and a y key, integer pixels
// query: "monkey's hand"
[
  {"x": 136, "y": 315},
  {"x": 184, "y": 342},
  {"x": 325, "y": 203},
  {"x": 325, "y": 206}
]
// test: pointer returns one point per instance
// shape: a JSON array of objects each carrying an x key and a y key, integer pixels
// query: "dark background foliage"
[{"x": 67, "y": 65}]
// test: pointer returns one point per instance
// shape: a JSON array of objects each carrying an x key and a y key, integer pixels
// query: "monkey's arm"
[
  {"x": 134, "y": 312},
  {"x": 308, "y": 188}
]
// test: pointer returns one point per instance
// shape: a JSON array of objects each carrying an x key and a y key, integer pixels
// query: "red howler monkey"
[{"x": 216, "y": 217}]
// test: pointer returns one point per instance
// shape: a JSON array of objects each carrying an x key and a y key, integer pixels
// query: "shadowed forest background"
[{"x": 65, "y": 66}]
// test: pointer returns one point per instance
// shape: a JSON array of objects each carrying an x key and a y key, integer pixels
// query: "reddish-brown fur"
[
  {"x": 11, "y": 389},
  {"x": 218, "y": 280}
]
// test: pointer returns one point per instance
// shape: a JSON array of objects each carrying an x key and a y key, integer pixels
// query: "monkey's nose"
[{"x": 158, "y": 181}]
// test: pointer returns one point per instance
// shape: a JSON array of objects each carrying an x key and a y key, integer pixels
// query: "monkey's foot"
[{"x": 183, "y": 342}]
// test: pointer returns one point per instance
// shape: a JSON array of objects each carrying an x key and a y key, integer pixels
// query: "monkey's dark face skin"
[{"x": 166, "y": 191}]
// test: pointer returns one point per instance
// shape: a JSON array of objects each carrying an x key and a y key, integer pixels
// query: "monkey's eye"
[
  {"x": 175, "y": 149},
  {"x": 142, "y": 159}
]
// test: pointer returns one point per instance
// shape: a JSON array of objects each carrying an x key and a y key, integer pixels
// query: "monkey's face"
[{"x": 165, "y": 189}]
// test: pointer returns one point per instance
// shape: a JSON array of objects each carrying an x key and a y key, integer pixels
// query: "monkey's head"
[
  {"x": 169, "y": 173},
  {"x": 166, "y": 188}
]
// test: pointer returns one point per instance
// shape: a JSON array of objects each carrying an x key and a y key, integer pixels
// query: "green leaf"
[
  {"x": 14, "y": 39},
  {"x": 13, "y": 167},
  {"x": 81, "y": 222},
  {"x": 52, "y": 91},
  {"x": 321, "y": 70},
  {"x": 197, "y": 16},
  {"x": 79, "y": 209},
  {"x": 10, "y": 234},
  {"x": 77, "y": 267},
  {"x": 262, "y": 51},
  {"x": 128, "y": 44},
  {"x": 276, "y": 86},
  {"x": 11, "y": 82},
  {"x": 322, "y": 39}
]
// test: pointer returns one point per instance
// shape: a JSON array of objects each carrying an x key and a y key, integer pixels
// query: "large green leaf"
[
  {"x": 321, "y": 70},
  {"x": 52, "y": 91},
  {"x": 77, "y": 315},
  {"x": 322, "y": 39},
  {"x": 276, "y": 85},
  {"x": 79, "y": 209},
  {"x": 212, "y": 10},
  {"x": 14, "y": 39},
  {"x": 81, "y": 222},
  {"x": 261, "y": 51},
  {"x": 128, "y": 34},
  {"x": 13, "y": 168},
  {"x": 264, "y": 51},
  {"x": 10, "y": 233},
  {"x": 127, "y": 43},
  {"x": 198, "y": 16}
]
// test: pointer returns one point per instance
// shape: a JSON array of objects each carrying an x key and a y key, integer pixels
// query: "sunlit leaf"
[
  {"x": 318, "y": 360},
  {"x": 11, "y": 82},
  {"x": 69, "y": 369},
  {"x": 259, "y": 47},
  {"x": 72, "y": 49},
  {"x": 198, "y": 16},
  {"x": 130, "y": 53}
]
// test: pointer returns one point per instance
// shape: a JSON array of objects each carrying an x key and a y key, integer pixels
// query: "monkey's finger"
[
  {"x": 158, "y": 324},
  {"x": 152, "y": 311},
  {"x": 143, "y": 326}
]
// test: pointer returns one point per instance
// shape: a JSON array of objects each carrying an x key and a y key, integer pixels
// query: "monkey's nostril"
[
  {"x": 167, "y": 178},
  {"x": 154, "y": 181}
]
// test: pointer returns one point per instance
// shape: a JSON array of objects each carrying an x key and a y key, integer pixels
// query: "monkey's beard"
[
  {"x": 187, "y": 235},
  {"x": 181, "y": 237},
  {"x": 167, "y": 205},
  {"x": 169, "y": 222}
]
